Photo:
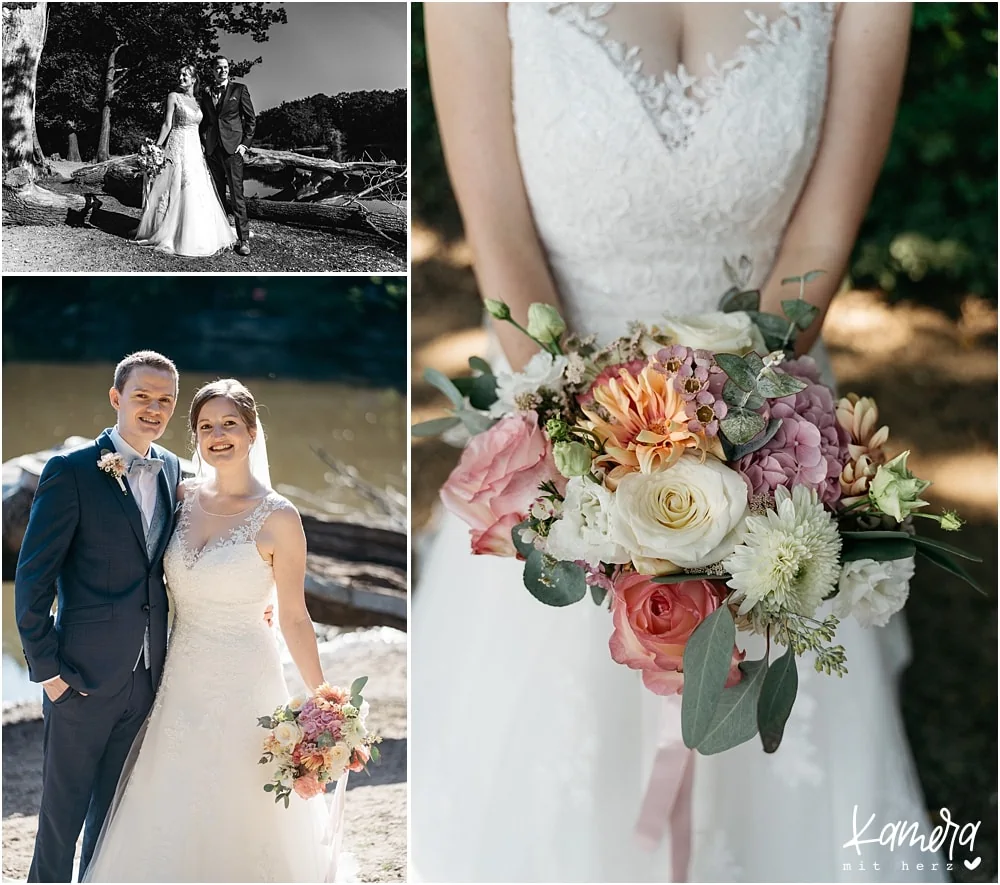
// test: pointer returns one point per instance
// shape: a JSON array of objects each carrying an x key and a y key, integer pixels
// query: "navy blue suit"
[{"x": 85, "y": 547}]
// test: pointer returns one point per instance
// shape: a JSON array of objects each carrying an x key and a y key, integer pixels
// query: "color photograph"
[
  {"x": 704, "y": 442},
  {"x": 204, "y": 579}
]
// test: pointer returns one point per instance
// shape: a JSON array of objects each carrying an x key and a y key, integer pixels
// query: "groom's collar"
[{"x": 125, "y": 448}]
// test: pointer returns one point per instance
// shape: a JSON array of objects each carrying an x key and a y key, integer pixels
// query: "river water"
[{"x": 44, "y": 403}]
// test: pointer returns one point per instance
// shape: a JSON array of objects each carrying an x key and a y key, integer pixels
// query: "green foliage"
[
  {"x": 153, "y": 40},
  {"x": 369, "y": 122},
  {"x": 931, "y": 230}
]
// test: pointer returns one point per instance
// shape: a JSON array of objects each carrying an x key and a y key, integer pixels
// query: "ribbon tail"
[{"x": 667, "y": 801}]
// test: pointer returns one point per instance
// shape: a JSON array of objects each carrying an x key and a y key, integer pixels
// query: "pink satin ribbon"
[{"x": 667, "y": 803}]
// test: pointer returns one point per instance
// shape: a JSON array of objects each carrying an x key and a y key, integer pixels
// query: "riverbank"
[{"x": 376, "y": 806}]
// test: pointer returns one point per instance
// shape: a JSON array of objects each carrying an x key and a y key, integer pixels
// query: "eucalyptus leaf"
[
  {"x": 737, "y": 299},
  {"x": 777, "y": 697},
  {"x": 358, "y": 685},
  {"x": 481, "y": 390},
  {"x": 741, "y": 425},
  {"x": 680, "y": 577},
  {"x": 734, "y": 453},
  {"x": 707, "y": 658},
  {"x": 943, "y": 560},
  {"x": 737, "y": 370},
  {"x": 552, "y": 581},
  {"x": 755, "y": 363},
  {"x": 478, "y": 364},
  {"x": 788, "y": 280},
  {"x": 598, "y": 594},
  {"x": 475, "y": 422},
  {"x": 775, "y": 385},
  {"x": 811, "y": 275},
  {"x": 376, "y": 753},
  {"x": 435, "y": 427},
  {"x": 733, "y": 396},
  {"x": 515, "y": 535},
  {"x": 445, "y": 385},
  {"x": 735, "y": 719},
  {"x": 878, "y": 549},
  {"x": 773, "y": 328},
  {"x": 800, "y": 312}
]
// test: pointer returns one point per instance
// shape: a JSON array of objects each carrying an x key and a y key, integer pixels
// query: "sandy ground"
[
  {"x": 376, "y": 805},
  {"x": 104, "y": 244}
]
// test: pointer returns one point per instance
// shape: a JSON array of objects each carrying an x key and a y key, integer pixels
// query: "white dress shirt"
[{"x": 142, "y": 486}]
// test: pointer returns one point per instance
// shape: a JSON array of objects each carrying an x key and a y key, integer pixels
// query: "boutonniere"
[{"x": 113, "y": 463}]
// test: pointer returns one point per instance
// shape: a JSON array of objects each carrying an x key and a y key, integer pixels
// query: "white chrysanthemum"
[
  {"x": 544, "y": 371},
  {"x": 788, "y": 557},
  {"x": 873, "y": 591},
  {"x": 353, "y": 733}
]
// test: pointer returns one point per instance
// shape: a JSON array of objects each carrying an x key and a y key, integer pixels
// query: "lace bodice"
[
  {"x": 187, "y": 113},
  {"x": 643, "y": 183},
  {"x": 225, "y": 583}
]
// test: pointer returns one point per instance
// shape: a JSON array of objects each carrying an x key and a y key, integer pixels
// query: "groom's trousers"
[
  {"x": 227, "y": 171},
  {"x": 86, "y": 741}
]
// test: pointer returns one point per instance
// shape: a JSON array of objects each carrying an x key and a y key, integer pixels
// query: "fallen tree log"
[
  {"x": 92, "y": 176},
  {"x": 355, "y": 569},
  {"x": 345, "y": 217},
  {"x": 24, "y": 202}
]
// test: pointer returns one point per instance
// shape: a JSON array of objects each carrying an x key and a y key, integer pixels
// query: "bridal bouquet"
[
  {"x": 151, "y": 158},
  {"x": 316, "y": 740},
  {"x": 700, "y": 482}
]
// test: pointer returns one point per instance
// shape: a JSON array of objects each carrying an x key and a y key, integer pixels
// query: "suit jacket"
[
  {"x": 231, "y": 123},
  {"x": 85, "y": 547}
]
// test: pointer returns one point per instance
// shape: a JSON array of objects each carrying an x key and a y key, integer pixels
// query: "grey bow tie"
[{"x": 139, "y": 466}]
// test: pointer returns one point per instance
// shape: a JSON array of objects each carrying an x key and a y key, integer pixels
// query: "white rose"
[
  {"x": 340, "y": 757},
  {"x": 296, "y": 703},
  {"x": 544, "y": 370},
  {"x": 584, "y": 530},
  {"x": 873, "y": 591},
  {"x": 717, "y": 331},
  {"x": 688, "y": 514},
  {"x": 288, "y": 734}
]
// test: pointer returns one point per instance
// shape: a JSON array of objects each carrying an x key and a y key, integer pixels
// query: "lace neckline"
[
  {"x": 674, "y": 100},
  {"x": 244, "y": 531}
]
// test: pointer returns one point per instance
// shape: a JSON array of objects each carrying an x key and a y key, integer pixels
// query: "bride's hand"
[{"x": 269, "y": 616}]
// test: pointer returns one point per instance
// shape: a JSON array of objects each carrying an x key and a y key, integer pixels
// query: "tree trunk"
[
  {"x": 351, "y": 217},
  {"x": 23, "y": 39},
  {"x": 272, "y": 161},
  {"x": 73, "y": 150},
  {"x": 104, "y": 142}
]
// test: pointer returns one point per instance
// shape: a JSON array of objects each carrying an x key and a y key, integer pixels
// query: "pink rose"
[
  {"x": 653, "y": 623},
  {"x": 497, "y": 481},
  {"x": 307, "y": 786}
]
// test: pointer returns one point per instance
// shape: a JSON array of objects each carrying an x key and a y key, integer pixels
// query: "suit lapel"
[
  {"x": 225, "y": 95},
  {"x": 168, "y": 492},
  {"x": 126, "y": 501}
]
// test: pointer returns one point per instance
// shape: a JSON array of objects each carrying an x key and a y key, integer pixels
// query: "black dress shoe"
[{"x": 243, "y": 247}]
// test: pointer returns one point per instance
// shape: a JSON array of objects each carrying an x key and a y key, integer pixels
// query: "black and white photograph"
[
  {"x": 204, "y": 137},
  {"x": 204, "y": 579}
]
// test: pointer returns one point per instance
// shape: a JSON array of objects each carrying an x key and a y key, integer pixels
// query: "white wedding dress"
[
  {"x": 531, "y": 749},
  {"x": 191, "y": 805},
  {"x": 182, "y": 214}
]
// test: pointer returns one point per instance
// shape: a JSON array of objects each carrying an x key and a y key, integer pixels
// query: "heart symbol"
[{"x": 973, "y": 865}]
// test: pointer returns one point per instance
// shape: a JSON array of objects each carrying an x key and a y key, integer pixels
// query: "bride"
[
  {"x": 191, "y": 805},
  {"x": 590, "y": 180},
  {"x": 182, "y": 214}
]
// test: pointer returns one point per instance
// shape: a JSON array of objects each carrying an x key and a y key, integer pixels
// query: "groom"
[
  {"x": 227, "y": 127},
  {"x": 95, "y": 541}
]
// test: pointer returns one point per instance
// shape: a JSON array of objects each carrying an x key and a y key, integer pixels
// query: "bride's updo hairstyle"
[
  {"x": 231, "y": 389},
  {"x": 193, "y": 71}
]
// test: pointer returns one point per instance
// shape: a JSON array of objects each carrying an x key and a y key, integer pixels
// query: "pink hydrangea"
[
  {"x": 315, "y": 721},
  {"x": 810, "y": 447}
]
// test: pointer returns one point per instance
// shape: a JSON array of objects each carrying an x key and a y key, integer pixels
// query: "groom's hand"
[
  {"x": 241, "y": 149},
  {"x": 56, "y": 687},
  {"x": 269, "y": 615}
]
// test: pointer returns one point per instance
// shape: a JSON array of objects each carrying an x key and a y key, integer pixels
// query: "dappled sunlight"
[
  {"x": 965, "y": 481},
  {"x": 427, "y": 244}
]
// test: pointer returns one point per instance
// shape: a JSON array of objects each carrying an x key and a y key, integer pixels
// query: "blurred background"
[
  {"x": 325, "y": 358},
  {"x": 923, "y": 277}
]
